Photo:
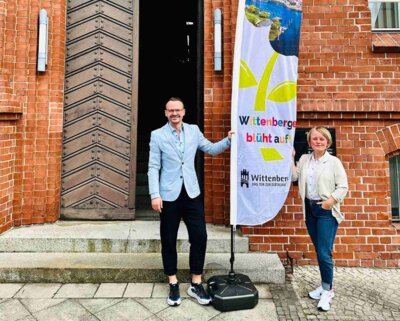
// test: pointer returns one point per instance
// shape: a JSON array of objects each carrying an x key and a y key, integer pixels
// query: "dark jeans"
[
  {"x": 322, "y": 227},
  {"x": 192, "y": 213}
]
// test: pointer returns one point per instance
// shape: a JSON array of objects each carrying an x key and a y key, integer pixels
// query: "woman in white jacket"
[{"x": 322, "y": 187}]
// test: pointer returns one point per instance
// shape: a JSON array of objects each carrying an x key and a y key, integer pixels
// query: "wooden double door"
[{"x": 103, "y": 123}]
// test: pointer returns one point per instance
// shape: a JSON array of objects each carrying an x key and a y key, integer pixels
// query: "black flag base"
[{"x": 232, "y": 292}]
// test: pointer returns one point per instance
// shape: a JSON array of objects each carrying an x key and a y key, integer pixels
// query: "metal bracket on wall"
[
  {"x": 218, "y": 40},
  {"x": 43, "y": 40}
]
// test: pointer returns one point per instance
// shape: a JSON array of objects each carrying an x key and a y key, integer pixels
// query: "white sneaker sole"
[
  {"x": 173, "y": 303},
  {"x": 200, "y": 300},
  {"x": 321, "y": 308}
]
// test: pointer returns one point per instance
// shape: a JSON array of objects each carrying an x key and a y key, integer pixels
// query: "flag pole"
[
  {"x": 234, "y": 112},
  {"x": 234, "y": 142},
  {"x": 233, "y": 291}
]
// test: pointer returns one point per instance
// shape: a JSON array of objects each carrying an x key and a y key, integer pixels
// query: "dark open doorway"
[{"x": 170, "y": 64}]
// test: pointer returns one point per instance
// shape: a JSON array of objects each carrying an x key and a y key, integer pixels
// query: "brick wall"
[
  {"x": 7, "y": 160},
  {"x": 342, "y": 85},
  {"x": 30, "y": 114}
]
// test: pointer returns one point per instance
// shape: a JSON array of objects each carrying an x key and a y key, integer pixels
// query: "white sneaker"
[
  {"x": 324, "y": 303},
  {"x": 197, "y": 291},
  {"x": 316, "y": 294}
]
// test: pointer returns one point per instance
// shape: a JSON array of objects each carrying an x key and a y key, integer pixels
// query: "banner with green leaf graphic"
[{"x": 264, "y": 93}]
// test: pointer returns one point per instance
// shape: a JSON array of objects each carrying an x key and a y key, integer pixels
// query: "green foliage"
[
  {"x": 253, "y": 9},
  {"x": 275, "y": 30},
  {"x": 254, "y": 16},
  {"x": 253, "y": 19}
]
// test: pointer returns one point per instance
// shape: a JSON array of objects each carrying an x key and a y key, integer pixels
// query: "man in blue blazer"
[{"x": 175, "y": 194}]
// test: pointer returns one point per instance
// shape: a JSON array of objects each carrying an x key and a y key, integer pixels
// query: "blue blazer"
[{"x": 168, "y": 170}]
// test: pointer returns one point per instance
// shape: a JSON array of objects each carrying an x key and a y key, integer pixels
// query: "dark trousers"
[
  {"x": 192, "y": 213},
  {"x": 322, "y": 227}
]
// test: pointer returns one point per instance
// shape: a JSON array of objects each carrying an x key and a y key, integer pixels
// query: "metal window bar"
[
  {"x": 385, "y": 15},
  {"x": 394, "y": 166}
]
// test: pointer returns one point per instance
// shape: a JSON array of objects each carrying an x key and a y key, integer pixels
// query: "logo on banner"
[
  {"x": 247, "y": 180},
  {"x": 244, "y": 178}
]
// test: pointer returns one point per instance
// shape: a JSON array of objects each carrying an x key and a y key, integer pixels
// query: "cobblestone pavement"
[{"x": 360, "y": 294}]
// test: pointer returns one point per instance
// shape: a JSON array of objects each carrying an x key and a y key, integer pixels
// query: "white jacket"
[{"x": 331, "y": 180}]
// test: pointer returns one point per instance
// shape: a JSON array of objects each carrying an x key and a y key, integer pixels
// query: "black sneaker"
[
  {"x": 197, "y": 291},
  {"x": 174, "y": 297}
]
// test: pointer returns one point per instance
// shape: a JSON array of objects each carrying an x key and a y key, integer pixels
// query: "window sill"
[{"x": 385, "y": 42}]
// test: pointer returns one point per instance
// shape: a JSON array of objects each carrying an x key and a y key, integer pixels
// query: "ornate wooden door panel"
[{"x": 99, "y": 146}]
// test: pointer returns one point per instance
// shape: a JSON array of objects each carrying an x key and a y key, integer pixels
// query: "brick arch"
[{"x": 389, "y": 138}]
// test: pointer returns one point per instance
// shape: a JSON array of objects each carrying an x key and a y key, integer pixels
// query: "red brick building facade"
[
  {"x": 31, "y": 107},
  {"x": 342, "y": 84}
]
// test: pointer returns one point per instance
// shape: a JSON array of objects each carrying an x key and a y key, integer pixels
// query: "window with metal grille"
[
  {"x": 384, "y": 15},
  {"x": 394, "y": 164}
]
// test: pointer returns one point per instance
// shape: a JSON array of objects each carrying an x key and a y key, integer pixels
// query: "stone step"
[
  {"x": 110, "y": 237},
  {"x": 130, "y": 267},
  {"x": 120, "y": 251}
]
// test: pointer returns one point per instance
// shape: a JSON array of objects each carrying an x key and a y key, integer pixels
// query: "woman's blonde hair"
[{"x": 322, "y": 130}]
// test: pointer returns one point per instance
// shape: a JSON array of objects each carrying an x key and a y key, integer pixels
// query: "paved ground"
[{"x": 360, "y": 294}]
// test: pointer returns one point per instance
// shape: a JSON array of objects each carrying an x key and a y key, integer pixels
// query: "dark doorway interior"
[{"x": 168, "y": 66}]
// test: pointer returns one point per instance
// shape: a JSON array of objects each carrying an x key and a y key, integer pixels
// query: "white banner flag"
[{"x": 264, "y": 92}]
